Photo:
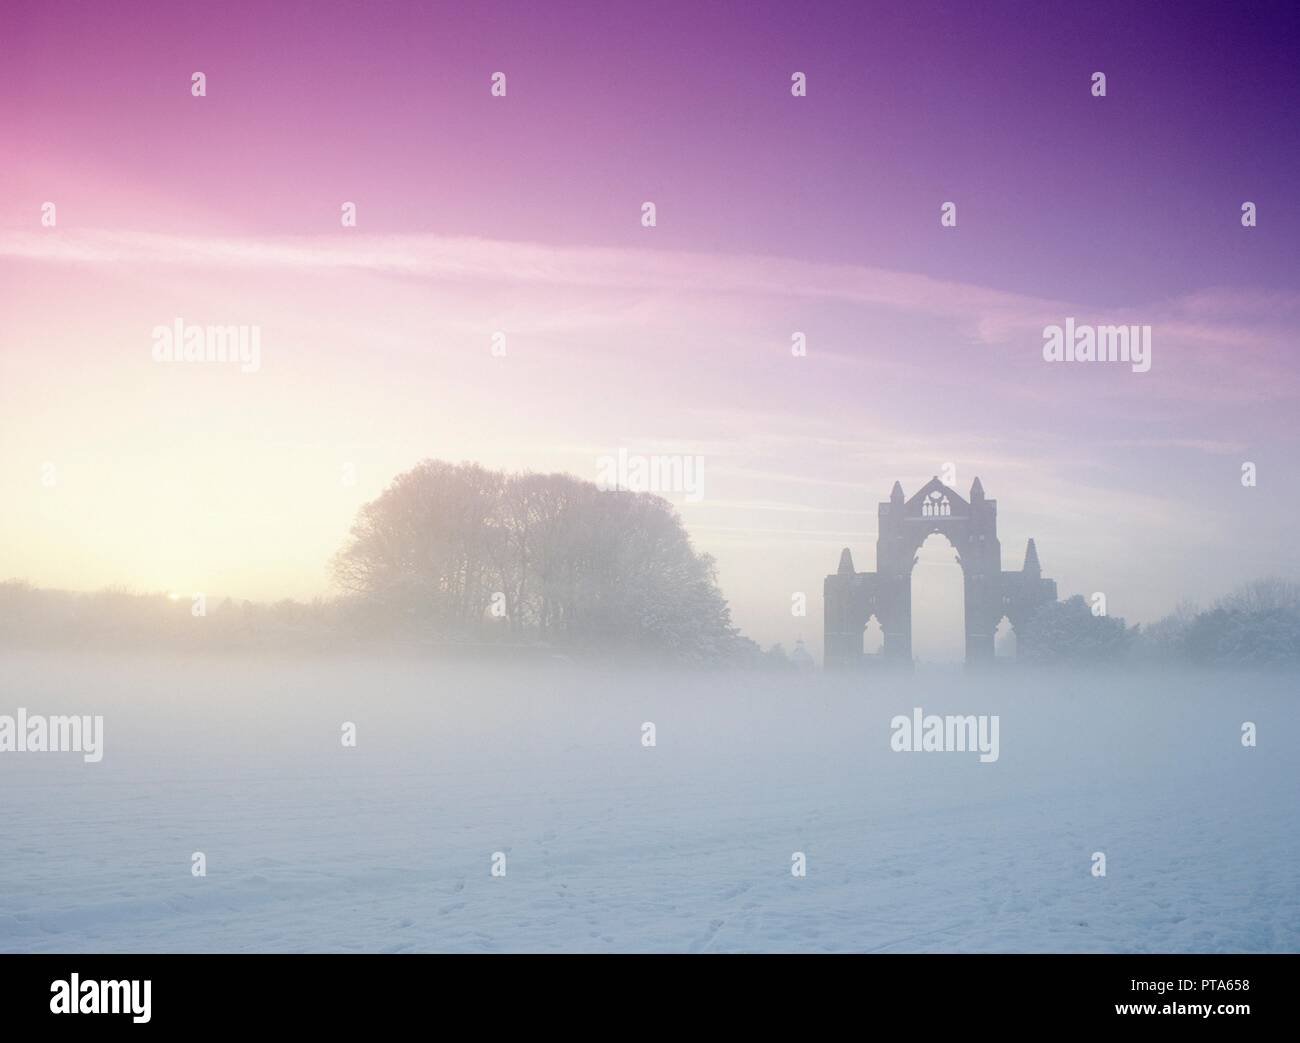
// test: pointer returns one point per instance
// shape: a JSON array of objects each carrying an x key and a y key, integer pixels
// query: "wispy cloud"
[{"x": 1221, "y": 316}]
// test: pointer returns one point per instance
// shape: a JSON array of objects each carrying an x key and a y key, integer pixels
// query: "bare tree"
[
  {"x": 576, "y": 565},
  {"x": 1263, "y": 595}
]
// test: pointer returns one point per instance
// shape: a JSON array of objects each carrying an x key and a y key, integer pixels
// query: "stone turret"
[
  {"x": 976, "y": 491},
  {"x": 1032, "y": 568},
  {"x": 846, "y": 562}
]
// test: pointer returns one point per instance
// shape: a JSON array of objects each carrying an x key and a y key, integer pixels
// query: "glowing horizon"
[{"x": 521, "y": 215}]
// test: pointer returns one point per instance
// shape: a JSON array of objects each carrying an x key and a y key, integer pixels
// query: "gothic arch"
[{"x": 852, "y": 597}]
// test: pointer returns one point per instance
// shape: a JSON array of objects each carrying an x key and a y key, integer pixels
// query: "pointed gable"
[{"x": 918, "y": 505}]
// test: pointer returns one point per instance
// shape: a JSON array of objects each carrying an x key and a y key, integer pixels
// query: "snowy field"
[{"x": 610, "y": 845}]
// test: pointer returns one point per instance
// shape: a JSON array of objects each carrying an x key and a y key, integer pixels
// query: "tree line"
[
  {"x": 455, "y": 556},
  {"x": 1257, "y": 627}
]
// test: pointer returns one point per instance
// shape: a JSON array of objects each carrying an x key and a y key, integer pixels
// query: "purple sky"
[
  {"x": 1060, "y": 195},
  {"x": 775, "y": 214}
]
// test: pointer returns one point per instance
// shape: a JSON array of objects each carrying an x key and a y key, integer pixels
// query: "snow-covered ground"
[{"x": 610, "y": 845}]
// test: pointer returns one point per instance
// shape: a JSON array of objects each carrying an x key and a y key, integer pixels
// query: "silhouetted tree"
[
  {"x": 1262, "y": 639},
  {"x": 1164, "y": 642},
  {"x": 572, "y": 564},
  {"x": 1257, "y": 626},
  {"x": 424, "y": 548},
  {"x": 1066, "y": 632},
  {"x": 1263, "y": 595}
]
